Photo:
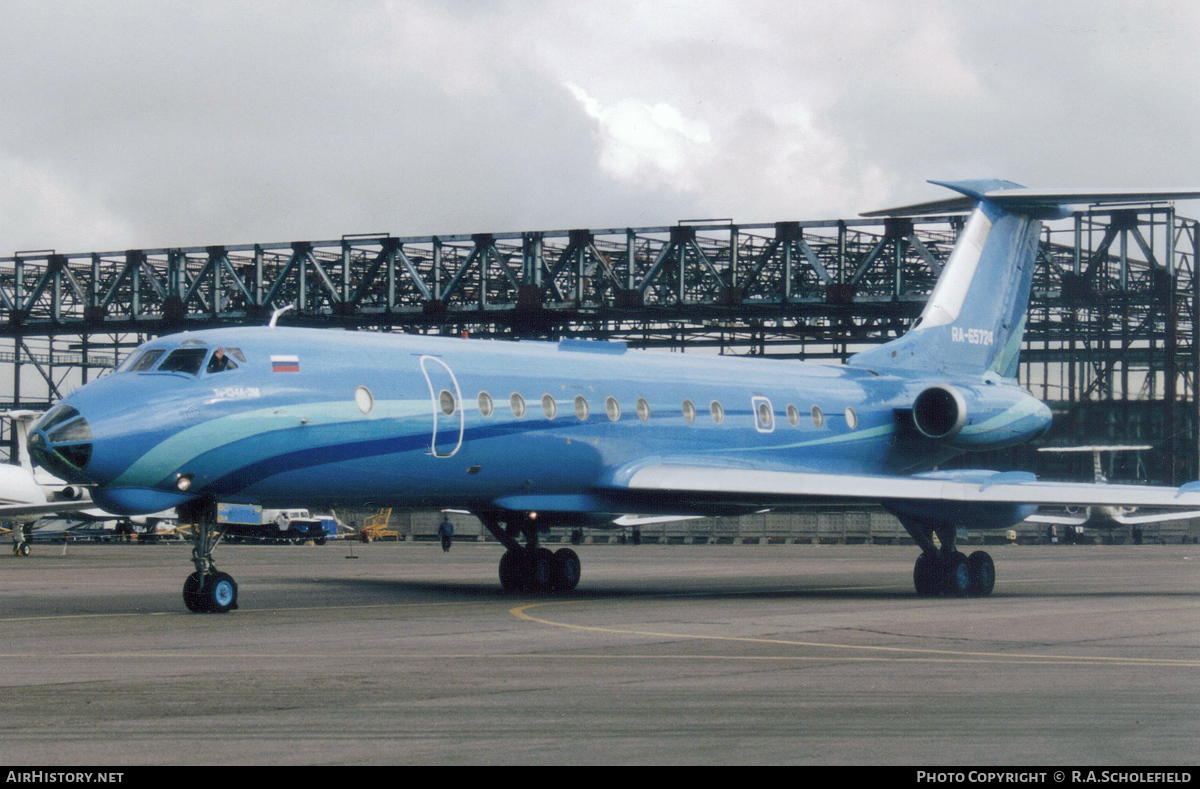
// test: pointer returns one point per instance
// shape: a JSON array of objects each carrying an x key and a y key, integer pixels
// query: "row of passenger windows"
[{"x": 763, "y": 413}]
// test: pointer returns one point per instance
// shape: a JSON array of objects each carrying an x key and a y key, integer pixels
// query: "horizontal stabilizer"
[
  {"x": 1056, "y": 520},
  {"x": 1158, "y": 517},
  {"x": 1017, "y": 199}
]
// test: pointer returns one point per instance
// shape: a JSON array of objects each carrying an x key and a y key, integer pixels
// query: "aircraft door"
[{"x": 446, "y": 398}]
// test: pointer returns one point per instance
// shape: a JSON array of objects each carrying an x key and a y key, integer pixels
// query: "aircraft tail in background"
[{"x": 975, "y": 318}]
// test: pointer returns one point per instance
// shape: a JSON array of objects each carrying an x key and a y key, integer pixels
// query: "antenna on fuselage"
[{"x": 275, "y": 315}]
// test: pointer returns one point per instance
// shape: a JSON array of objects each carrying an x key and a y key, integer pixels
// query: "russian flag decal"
[{"x": 285, "y": 364}]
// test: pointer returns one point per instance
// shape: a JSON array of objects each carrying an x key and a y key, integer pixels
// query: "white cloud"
[
  {"x": 653, "y": 144},
  {"x": 215, "y": 122}
]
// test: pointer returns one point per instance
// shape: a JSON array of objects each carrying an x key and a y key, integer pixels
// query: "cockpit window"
[
  {"x": 62, "y": 443},
  {"x": 57, "y": 416},
  {"x": 222, "y": 360},
  {"x": 184, "y": 360},
  {"x": 147, "y": 360}
]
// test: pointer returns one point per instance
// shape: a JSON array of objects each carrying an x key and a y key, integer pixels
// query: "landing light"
[{"x": 184, "y": 482}]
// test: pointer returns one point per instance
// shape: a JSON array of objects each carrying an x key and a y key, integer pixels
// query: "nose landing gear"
[{"x": 206, "y": 591}]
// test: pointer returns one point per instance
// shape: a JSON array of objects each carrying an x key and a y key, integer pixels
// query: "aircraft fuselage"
[{"x": 340, "y": 418}]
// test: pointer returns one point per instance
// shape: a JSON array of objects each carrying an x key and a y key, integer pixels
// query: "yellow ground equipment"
[{"x": 375, "y": 527}]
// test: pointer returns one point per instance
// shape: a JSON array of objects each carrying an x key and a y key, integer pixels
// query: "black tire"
[
  {"x": 956, "y": 575},
  {"x": 220, "y": 593},
  {"x": 983, "y": 574},
  {"x": 541, "y": 570},
  {"x": 24, "y": 549},
  {"x": 567, "y": 569},
  {"x": 512, "y": 571},
  {"x": 192, "y": 597},
  {"x": 927, "y": 577},
  {"x": 320, "y": 540}
]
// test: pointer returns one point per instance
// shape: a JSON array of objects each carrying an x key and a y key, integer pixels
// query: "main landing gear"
[
  {"x": 947, "y": 571},
  {"x": 206, "y": 591},
  {"x": 529, "y": 567}
]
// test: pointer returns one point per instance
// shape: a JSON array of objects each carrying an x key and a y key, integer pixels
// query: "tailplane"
[{"x": 975, "y": 318}]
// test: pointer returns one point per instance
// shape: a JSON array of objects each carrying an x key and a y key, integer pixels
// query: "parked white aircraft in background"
[
  {"x": 1105, "y": 517},
  {"x": 27, "y": 494}
]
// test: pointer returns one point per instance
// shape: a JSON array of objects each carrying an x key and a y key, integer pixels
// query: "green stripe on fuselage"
[{"x": 149, "y": 469}]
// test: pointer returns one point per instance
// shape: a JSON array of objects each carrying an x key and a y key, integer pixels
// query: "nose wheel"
[{"x": 212, "y": 594}]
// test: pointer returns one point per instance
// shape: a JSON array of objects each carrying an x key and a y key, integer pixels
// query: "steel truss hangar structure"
[{"x": 1110, "y": 342}]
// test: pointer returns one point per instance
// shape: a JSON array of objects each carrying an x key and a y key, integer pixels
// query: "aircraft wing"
[
  {"x": 18, "y": 510},
  {"x": 756, "y": 487},
  {"x": 645, "y": 520},
  {"x": 1057, "y": 520},
  {"x": 1158, "y": 517}
]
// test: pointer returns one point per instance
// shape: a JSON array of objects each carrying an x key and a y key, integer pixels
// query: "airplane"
[
  {"x": 1100, "y": 517},
  {"x": 25, "y": 495},
  {"x": 529, "y": 435}
]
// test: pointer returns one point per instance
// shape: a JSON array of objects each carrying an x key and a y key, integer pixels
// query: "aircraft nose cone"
[{"x": 62, "y": 443}]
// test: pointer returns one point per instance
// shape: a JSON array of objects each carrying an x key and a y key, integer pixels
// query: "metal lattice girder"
[{"x": 1114, "y": 305}]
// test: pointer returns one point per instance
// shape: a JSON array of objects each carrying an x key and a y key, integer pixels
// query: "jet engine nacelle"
[
  {"x": 991, "y": 416},
  {"x": 68, "y": 493}
]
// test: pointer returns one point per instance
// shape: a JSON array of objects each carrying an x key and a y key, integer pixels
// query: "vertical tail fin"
[
  {"x": 974, "y": 320},
  {"x": 21, "y": 420}
]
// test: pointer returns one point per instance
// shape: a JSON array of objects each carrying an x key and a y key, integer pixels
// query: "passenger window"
[
  {"x": 817, "y": 416},
  {"x": 793, "y": 415},
  {"x": 447, "y": 402},
  {"x": 717, "y": 411},
  {"x": 221, "y": 361},
  {"x": 581, "y": 408},
  {"x": 689, "y": 411},
  {"x": 549, "y": 407},
  {"x": 643, "y": 409},
  {"x": 851, "y": 419},
  {"x": 184, "y": 360},
  {"x": 517, "y": 403},
  {"x": 486, "y": 407},
  {"x": 147, "y": 360},
  {"x": 364, "y": 399},
  {"x": 613, "y": 408}
]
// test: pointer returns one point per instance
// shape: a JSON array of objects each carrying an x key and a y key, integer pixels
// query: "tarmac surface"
[{"x": 783, "y": 654}]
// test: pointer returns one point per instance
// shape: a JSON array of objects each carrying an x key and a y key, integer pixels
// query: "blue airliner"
[{"x": 529, "y": 435}]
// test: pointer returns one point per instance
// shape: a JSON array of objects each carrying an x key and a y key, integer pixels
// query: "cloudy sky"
[{"x": 146, "y": 124}]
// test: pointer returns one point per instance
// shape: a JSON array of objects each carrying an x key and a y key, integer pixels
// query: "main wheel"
[
  {"x": 982, "y": 572},
  {"x": 567, "y": 569},
  {"x": 512, "y": 570},
  {"x": 927, "y": 576},
  {"x": 541, "y": 570},
  {"x": 24, "y": 549},
  {"x": 956, "y": 575}
]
